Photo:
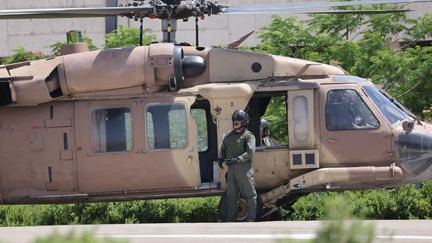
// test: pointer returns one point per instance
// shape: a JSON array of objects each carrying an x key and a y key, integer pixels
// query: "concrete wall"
[{"x": 38, "y": 34}]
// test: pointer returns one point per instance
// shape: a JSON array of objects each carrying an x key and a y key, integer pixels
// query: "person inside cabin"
[{"x": 266, "y": 140}]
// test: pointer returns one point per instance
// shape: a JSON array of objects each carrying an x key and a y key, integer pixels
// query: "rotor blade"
[
  {"x": 329, "y": 12},
  {"x": 358, "y": 11},
  {"x": 74, "y": 12},
  {"x": 280, "y": 8}
]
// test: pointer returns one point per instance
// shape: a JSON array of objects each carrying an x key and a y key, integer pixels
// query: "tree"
[
  {"x": 362, "y": 45},
  {"x": 127, "y": 37}
]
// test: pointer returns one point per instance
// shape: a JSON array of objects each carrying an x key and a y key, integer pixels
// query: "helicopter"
[{"x": 147, "y": 122}]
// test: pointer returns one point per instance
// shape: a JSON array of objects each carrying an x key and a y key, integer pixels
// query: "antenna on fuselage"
[{"x": 304, "y": 69}]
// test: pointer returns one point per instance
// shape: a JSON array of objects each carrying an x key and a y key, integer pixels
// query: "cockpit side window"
[{"x": 346, "y": 110}]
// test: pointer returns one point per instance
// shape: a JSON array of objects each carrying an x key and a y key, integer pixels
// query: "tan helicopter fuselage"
[{"x": 147, "y": 122}]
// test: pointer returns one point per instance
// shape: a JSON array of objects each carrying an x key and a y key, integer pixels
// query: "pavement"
[{"x": 280, "y": 231}]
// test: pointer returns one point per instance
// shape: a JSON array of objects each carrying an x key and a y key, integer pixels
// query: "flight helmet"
[{"x": 242, "y": 116}]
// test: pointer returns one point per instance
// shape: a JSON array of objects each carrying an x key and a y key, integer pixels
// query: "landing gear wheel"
[
  {"x": 276, "y": 215},
  {"x": 242, "y": 212}
]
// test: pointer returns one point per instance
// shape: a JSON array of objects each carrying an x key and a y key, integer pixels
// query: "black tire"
[
  {"x": 241, "y": 217},
  {"x": 276, "y": 216}
]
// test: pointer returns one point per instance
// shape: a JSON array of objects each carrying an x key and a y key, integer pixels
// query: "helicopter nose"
[{"x": 415, "y": 151}]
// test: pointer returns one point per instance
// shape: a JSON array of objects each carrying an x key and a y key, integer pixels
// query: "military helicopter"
[{"x": 147, "y": 122}]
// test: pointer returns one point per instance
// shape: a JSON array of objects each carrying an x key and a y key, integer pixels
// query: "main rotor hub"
[{"x": 176, "y": 9}]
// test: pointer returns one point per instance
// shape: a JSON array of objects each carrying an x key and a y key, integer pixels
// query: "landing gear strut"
[{"x": 242, "y": 209}]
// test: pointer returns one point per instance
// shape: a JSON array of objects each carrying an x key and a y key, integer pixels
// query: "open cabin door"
[
  {"x": 137, "y": 145},
  {"x": 291, "y": 143}
]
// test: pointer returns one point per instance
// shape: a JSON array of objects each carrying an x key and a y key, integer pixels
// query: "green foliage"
[
  {"x": 55, "y": 48},
  {"x": 405, "y": 202},
  {"x": 127, "y": 37},
  {"x": 21, "y": 55},
  {"x": 338, "y": 211},
  {"x": 426, "y": 193},
  {"x": 123, "y": 37},
  {"x": 361, "y": 44},
  {"x": 200, "y": 118},
  {"x": 422, "y": 28},
  {"x": 310, "y": 207},
  {"x": 177, "y": 128},
  {"x": 283, "y": 37},
  {"x": 147, "y": 211},
  {"x": 72, "y": 237},
  {"x": 276, "y": 115},
  {"x": 416, "y": 63},
  {"x": 339, "y": 223},
  {"x": 427, "y": 114}
]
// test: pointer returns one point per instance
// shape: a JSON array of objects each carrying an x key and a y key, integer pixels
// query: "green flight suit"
[{"x": 240, "y": 179}]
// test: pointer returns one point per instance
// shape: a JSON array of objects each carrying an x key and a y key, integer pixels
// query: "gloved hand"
[
  {"x": 220, "y": 163},
  {"x": 233, "y": 161}
]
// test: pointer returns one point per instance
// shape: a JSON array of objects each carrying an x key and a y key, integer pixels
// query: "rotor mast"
[{"x": 169, "y": 28}]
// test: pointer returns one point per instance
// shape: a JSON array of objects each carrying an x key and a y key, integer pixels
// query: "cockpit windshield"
[{"x": 391, "y": 111}]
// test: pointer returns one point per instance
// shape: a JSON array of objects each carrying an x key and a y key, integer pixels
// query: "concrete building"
[{"x": 38, "y": 34}]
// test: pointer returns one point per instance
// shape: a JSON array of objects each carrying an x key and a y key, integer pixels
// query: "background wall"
[{"x": 37, "y": 34}]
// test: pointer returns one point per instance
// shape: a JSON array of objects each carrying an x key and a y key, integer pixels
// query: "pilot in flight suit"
[{"x": 237, "y": 151}]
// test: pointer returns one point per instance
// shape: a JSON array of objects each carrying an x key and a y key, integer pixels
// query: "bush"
[
  {"x": 338, "y": 229},
  {"x": 339, "y": 224},
  {"x": 21, "y": 55},
  {"x": 146, "y": 211},
  {"x": 310, "y": 207},
  {"x": 405, "y": 202}
]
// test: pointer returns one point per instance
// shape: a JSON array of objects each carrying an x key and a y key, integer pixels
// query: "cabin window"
[
  {"x": 111, "y": 130},
  {"x": 166, "y": 126},
  {"x": 200, "y": 118},
  {"x": 347, "y": 111},
  {"x": 301, "y": 119}
]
